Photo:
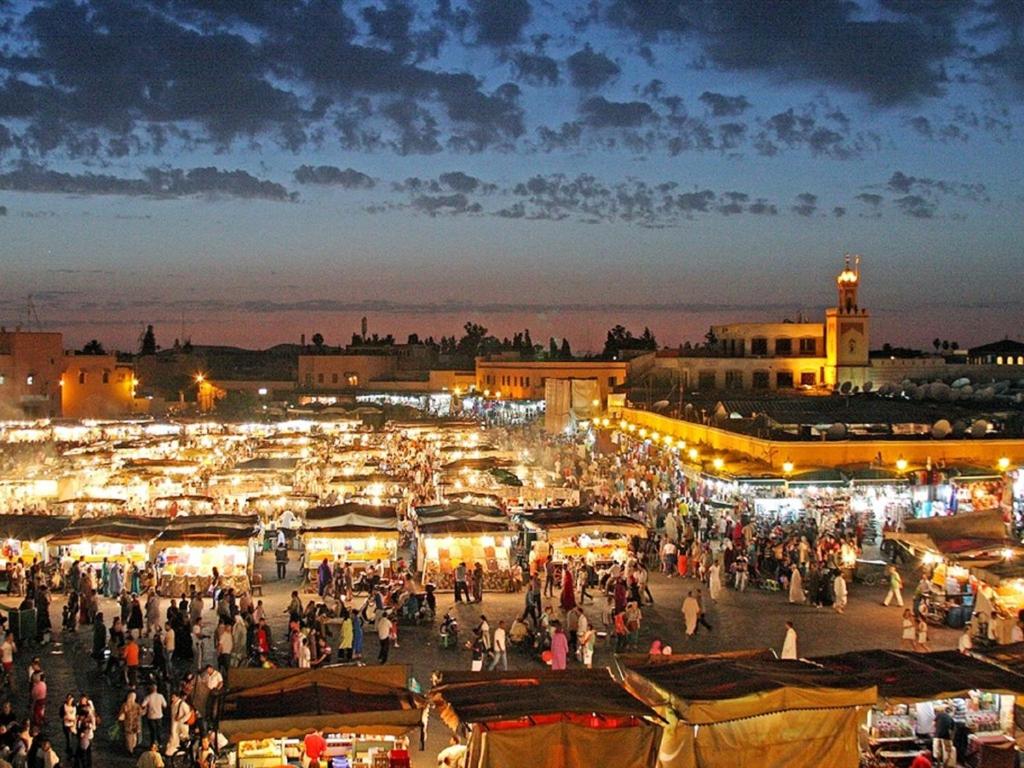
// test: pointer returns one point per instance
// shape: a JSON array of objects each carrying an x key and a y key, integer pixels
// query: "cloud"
[
  {"x": 839, "y": 211},
  {"x": 870, "y": 198},
  {"x": 535, "y": 68},
  {"x": 3, "y": 210},
  {"x": 331, "y": 175},
  {"x": 802, "y": 128},
  {"x": 436, "y": 205},
  {"x": 156, "y": 183},
  {"x": 724, "y": 106},
  {"x": 891, "y": 56},
  {"x": 916, "y": 206},
  {"x": 806, "y": 204},
  {"x": 901, "y": 183},
  {"x": 590, "y": 70},
  {"x": 598, "y": 112},
  {"x": 499, "y": 22}
]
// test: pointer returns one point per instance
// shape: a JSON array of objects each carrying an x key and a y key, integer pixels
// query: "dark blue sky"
[{"x": 256, "y": 169}]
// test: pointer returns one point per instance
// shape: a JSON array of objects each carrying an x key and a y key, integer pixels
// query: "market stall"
[
  {"x": 358, "y": 534},
  {"x": 366, "y": 714},
  {"x": 25, "y": 537},
  {"x": 576, "y": 532},
  {"x": 120, "y": 538},
  {"x": 547, "y": 719},
  {"x": 749, "y": 709},
  {"x": 191, "y": 547},
  {"x": 463, "y": 533},
  {"x": 911, "y": 686},
  {"x": 184, "y": 504}
]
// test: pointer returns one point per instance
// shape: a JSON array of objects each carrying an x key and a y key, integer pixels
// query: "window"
[
  {"x": 1020, "y": 361},
  {"x": 309, "y": 379},
  {"x": 706, "y": 380},
  {"x": 760, "y": 380},
  {"x": 30, "y": 379},
  {"x": 352, "y": 379},
  {"x": 734, "y": 379},
  {"x": 999, "y": 360},
  {"x": 783, "y": 347},
  {"x": 611, "y": 381},
  {"x": 784, "y": 379},
  {"x": 807, "y": 379},
  {"x": 81, "y": 377},
  {"x": 106, "y": 377},
  {"x": 2, "y": 379},
  {"x": 319, "y": 378},
  {"x": 334, "y": 378},
  {"x": 808, "y": 346},
  {"x": 759, "y": 346}
]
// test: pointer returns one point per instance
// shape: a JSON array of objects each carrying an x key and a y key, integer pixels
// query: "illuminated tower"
[{"x": 846, "y": 331}]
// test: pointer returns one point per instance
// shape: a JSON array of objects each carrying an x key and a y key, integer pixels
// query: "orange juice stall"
[
  {"x": 120, "y": 539},
  {"x": 463, "y": 533},
  {"x": 358, "y": 534},
  {"x": 191, "y": 547}
]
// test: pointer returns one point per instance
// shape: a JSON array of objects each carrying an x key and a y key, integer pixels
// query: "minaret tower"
[{"x": 846, "y": 330}]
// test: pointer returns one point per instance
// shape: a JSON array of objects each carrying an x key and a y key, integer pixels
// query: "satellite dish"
[
  {"x": 1001, "y": 386},
  {"x": 868, "y": 386},
  {"x": 837, "y": 431},
  {"x": 979, "y": 428},
  {"x": 660, "y": 405},
  {"x": 939, "y": 391},
  {"x": 846, "y": 387},
  {"x": 966, "y": 390},
  {"x": 959, "y": 427},
  {"x": 963, "y": 381},
  {"x": 918, "y": 393},
  {"x": 984, "y": 395},
  {"x": 941, "y": 429}
]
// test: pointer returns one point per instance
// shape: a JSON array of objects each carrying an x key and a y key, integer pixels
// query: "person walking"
[
  {"x": 130, "y": 717},
  {"x": 839, "y": 587},
  {"x": 384, "y": 636},
  {"x": 921, "y": 636},
  {"x": 895, "y": 587},
  {"x": 559, "y": 649},
  {"x": 796, "y": 585},
  {"x": 281, "y": 558},
  {"x": 499, "y": 647},
  {"x": 153, "y": 707},
  {"x": 789, "y": 650},
  {"x": 691, "y": 613},
  {"x": 715, "y": 581},
  {"x": 461, "y": 588},
  {"x": 908, "y": 633}
]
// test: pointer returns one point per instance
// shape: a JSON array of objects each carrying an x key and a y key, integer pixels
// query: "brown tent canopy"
[
  {"x": 907, "y": 676},
  {"x": 279, "y": 703},
  {"x": 968, "y": 535},
  {"x": 32, "y": 527},
  {"x": 575, "y": 521},
  {"x": 210, "y": 529},
  {"x": 121, "y": 528}
]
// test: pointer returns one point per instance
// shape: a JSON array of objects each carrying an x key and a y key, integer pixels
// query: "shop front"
[
  {"x": 121, "y": 539},
  {"x": 357, "y": 534},
  {"x": 24, "y": 537},
  {"x": 190, "y": 548},
  {"x": 460, "y": 533},
  {"x": 367, "y": 716},
  {"x": 574, "y": 533}
]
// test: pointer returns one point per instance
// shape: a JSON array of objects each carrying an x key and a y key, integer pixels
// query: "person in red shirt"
[
  {"x": 315, "y": 747},
  {"x": 923, "y": 760}
]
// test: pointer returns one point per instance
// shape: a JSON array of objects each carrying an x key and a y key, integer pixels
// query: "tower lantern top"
[{"x": 849, "y": 276}]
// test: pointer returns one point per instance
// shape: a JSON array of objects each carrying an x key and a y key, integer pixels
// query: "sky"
[{"x": 246, "y": 171}]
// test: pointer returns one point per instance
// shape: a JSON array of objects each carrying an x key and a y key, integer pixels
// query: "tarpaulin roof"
[
  {"x": 352, "y": 518},
  {"x": 966, "y": 535},
  {"x": 1009, "y": 656},
  {"x": 481, "y": 697},
  {"x": 482, "y": 463},
  {"x": 574, "y": 521},
  {"x": 724, "y": 687},
  {"x": 31, "y": 527},
  {"x": 912, "y": 676},
  {"x": 277, "y": 703},
  {"x": 457, "y": 509},
  {"x": 121, "y": 528},
  {"x": 458, "y": 526},
  {"x": 211, "y": 529},
  {"x": 276, "y": 465}
]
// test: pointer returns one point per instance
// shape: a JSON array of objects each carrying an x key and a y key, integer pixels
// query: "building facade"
[
  {"x": 526, "y": 380},
  {"x": 31, "y": 364},
  {"x": 97, "y": 387},
  {"x": 782, "y": 356}
]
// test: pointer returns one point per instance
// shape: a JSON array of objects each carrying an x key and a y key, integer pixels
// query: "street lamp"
[
  {"x": 1004, "y": 464},
  {"x": 718, "y": 463},
  {"x": 787, "y": 467}
]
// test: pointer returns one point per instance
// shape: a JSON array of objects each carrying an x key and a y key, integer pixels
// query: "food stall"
[
  {"x": 366, "y": 714},
  {"x": 120, "y": 539},
  {"x": 87, "y": 506},
  {"x": 547, "y": 719},
  {"x": 358, "y": 534},
  {"x": 979, "y": 696},
  {"x": 184, "y": 504},
  {"x": 463, "y": 533},
  {"x": 575, "y": 532},
  {"x": 191, "y": 547},
  {"x": 748, "y": 708},
  {"x": 25, "y": 536}
]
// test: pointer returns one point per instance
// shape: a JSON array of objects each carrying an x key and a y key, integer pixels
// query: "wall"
[
  {"x": 526, "y": 380},
  {"x": 333, "y": 372},
  {"x": 97, "y": 386},
  {"x": 30, "y": 368},
  {"x": 692, "y": 368},
  {"x": 743, "y": 333},
  {"x": 837, "y": 453}
]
